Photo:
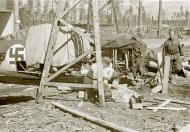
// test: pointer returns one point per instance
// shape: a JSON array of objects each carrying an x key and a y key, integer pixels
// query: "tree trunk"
[
  {"x": 159, "y": 18},
  {"x": 140, "y": 14},
  {"x": 14, "y": 5}
]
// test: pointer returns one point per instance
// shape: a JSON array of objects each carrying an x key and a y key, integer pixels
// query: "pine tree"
[{"x": 187, "y": 14}]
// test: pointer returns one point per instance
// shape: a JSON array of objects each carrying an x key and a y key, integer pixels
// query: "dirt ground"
[{"x": 28, "y": 116}]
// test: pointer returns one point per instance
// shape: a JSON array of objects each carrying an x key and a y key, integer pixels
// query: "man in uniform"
[{"x": 173, "y": 49}]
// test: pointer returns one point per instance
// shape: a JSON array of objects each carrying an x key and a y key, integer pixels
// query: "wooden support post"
[
  {"x": 94, "y": 119},
  {"x": 113, "y": 56},
  {"x": 115, "y": 16},
  {"x": 115, "y": 59},
  {"x": 89, "y": 15},
  {"x": 160, "y": 73},
  {"x": 166, "y": 75},
  {"x": 127, "y": 61},
  {"x": 98, "y": 52}
]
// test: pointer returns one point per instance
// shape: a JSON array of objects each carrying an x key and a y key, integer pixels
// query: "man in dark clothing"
[
  {"x": 173, "y": 49},
  {"x": 137, "y": 57}
]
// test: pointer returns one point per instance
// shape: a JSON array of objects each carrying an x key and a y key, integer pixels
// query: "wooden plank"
[
  {"x": 69, "y": 65},
  {"x": 185, "y": 129},
  {"x": 49, "y": 54},
  {"x": 115, "y": 15},
  {"x": 76, "y": 30},
  {"x": 98, "y": 52},
  {"x": 160, "y": 69},
  {"x": 73, "y": 85},
  {"x": 127, "y": 61},
  {"x": 89, "y": 15},
  {"x": 115, "y": 59},
  {"x": 166, "y": 75},
  {"x": 166, "y": 108},
  {"x": 94, "y": 119},
  {"x": 60, "y": 47},
  {"x": 107, "y": 3},
  {"x": 162, "y": 105},
  {"x": 174, "y": 101},
  {"x": 156, "y": 89}
]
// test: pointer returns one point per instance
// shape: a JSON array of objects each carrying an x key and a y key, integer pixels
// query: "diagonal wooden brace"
[
  {"x": 69, "y": 65},
  {"x": 76, "y": 30}
]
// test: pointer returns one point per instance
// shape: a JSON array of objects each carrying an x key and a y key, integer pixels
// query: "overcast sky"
[{"x": 170, "y": 6}]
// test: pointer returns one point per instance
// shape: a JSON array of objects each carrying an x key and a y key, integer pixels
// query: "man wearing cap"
[{"x": 173, "y": 49}]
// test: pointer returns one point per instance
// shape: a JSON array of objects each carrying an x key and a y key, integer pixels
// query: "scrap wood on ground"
[{"x": 119, "y": 113}]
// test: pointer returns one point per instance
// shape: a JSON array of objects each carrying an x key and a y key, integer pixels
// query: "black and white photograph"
[{"x": 94, "y": 65}]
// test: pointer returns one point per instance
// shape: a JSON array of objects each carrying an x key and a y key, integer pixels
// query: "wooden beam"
[
  {"x": 160, "y": 68},
  {"x": 89, "y": 15},
  {"x": 60, "y": 47},
  {"x": 78, "y": 86},
  {"x": 127, "y": 61},
  {"x": 185, "y": 129},
  {"x": 76, "y": 30},
  {"x": 162, "y": 105},
  {"x": 166, "y": 75},
  {"x": 98, "y": 52},
  {"x": 70, "y": 8},
  {"x": 93, "y": 119},
  {"x": 175, "y": 101},
  {"x": 107, "y": 3},
  {"x": 159, "y": 18},
  {"x": 156, "y": 89},
  {"x": 115, "y": 16},
  {"x": 16, "y": 15},
  {"x": 68, "y": 65},
  {"x": 49, "y": 54},
  {"x": 166, "y": 108},
  {"x": 115, "y": 58}
]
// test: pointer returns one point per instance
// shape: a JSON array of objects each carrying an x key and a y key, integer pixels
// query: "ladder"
[{"x": 59, "y": 19}]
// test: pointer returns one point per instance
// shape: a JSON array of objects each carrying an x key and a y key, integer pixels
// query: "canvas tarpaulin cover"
[
  {"x": 64, "y": 50},
  {"x": 122, "y": 41}
]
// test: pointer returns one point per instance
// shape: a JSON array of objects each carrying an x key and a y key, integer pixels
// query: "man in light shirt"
[{"x": 107, "y": 72}]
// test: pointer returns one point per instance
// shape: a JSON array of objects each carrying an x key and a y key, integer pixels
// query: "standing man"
[{"x": 173, "y": 49}]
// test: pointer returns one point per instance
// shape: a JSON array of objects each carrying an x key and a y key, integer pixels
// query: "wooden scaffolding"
[{"x": 60, "y": 19}]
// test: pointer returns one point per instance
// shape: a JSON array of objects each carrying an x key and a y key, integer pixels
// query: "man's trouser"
[
  {"x": 138, "y": 66},
  {"x": 91, "y": 93},
  {"x": 175, "y": 65}
]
